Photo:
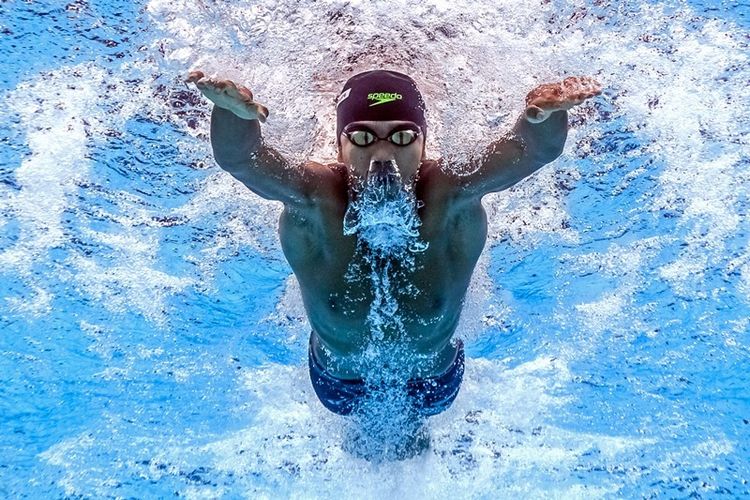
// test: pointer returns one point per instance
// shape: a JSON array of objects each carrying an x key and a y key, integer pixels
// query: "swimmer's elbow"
[{"x": 240, "y": 170}]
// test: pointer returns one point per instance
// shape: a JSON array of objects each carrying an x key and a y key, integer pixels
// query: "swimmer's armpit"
[{"x": 228, "y": 95}]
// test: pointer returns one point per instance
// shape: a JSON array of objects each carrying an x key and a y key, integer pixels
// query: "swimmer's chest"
[{"x": 335, "y": 276}]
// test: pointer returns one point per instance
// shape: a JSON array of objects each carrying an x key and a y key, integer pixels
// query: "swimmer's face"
[{"x": 408, "y": 158}]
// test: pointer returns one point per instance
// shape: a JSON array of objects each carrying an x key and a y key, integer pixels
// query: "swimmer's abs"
[
  {"x": 358, "y": 364},
  {"x": 341, "y": 344}
]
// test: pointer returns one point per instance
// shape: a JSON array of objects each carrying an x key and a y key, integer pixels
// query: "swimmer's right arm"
[{"x": 239, "y": 148}]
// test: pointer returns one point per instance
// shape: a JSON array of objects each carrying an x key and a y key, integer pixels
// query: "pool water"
[{"x": 152, "y": 337}]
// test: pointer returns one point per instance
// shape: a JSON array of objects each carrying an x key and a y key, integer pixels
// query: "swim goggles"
[{"x": 363, "y": 136}]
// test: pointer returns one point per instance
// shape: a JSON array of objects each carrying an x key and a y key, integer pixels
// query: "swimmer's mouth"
[{"x": 384, "y": 174}]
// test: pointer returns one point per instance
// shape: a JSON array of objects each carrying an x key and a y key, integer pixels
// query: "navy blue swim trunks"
[{"x": 429, "y": 395}]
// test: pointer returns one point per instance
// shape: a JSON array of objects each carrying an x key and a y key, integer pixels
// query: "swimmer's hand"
[
  {"x": 550, "y": 97},
  {"x": 228, "y": 95}
]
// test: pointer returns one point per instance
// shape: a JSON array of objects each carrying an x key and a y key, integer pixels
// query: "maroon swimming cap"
[{"x": 379, "y": 95}]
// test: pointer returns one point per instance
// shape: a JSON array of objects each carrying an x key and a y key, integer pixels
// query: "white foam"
[
  {"x": 744, "y": 285},
  {"x": 249, "y": 222},
  {"x": 62, "y": 115},
  {"x": 497, "y": 439},
  {"x": 56, "y": 131},
  {"x": 39, "y": 303}
]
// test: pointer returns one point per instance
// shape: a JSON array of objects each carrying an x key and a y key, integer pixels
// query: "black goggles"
[{"x": 363, "y": 136}]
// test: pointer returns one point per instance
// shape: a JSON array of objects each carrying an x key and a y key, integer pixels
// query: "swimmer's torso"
[{"x": 337, "y": 288}]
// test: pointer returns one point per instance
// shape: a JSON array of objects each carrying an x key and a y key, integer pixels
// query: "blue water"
[{"x": 152, "y": 339}]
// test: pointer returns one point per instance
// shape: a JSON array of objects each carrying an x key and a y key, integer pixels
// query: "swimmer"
[{"x": 381, "y": 134}]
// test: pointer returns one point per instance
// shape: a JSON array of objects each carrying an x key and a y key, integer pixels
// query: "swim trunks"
[{"x": 429, "y": 396}]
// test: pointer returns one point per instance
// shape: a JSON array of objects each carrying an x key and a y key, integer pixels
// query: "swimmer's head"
[
  {"x": 380, "y": 116},
  {"x": 379, "y": 95}
]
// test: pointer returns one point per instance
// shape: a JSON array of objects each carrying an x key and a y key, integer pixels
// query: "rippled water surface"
[{"x": 152, "y": 338}]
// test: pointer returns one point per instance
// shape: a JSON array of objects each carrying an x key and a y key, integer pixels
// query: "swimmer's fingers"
[
  {"x": 259, "y": 111},
  {"x": 570, "y": 92},
  {"x": 579, "y": 88},
  {"x": 244, "y": 96},
  {"x": 194, "y": 76},
  {"x": 550, "y": 97},
  {"x": 228, "y": 95},
  {"x": 545, "y": 100}
]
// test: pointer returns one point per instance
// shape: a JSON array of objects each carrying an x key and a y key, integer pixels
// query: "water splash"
[{"x": 383, "y": 216}]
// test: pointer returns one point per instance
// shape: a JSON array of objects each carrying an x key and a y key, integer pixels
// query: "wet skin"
[{"x": 454, "y": 224}]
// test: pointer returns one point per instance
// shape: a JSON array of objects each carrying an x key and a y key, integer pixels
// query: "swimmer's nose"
[{"x": 382, "y": 151}]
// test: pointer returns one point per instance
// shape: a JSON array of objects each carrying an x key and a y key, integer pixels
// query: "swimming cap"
[{"x": 379, "y": 95}]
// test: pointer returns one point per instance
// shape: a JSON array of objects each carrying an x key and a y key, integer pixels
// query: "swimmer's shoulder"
[
  {"x": 325, "y": 169},
  {"x": 429, "y": 168},
  {"x": 437, "y": 169},
  {"x": 441, "y": 182},
  {"x": 326, "y": 181},
  {"x": 434, "y": 174}
]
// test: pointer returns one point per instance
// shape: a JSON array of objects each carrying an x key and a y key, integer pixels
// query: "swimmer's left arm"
[{"x": 537, "y": 138}]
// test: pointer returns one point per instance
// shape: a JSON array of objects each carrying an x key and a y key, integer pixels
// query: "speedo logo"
[{"x": 383, "y": 97}]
